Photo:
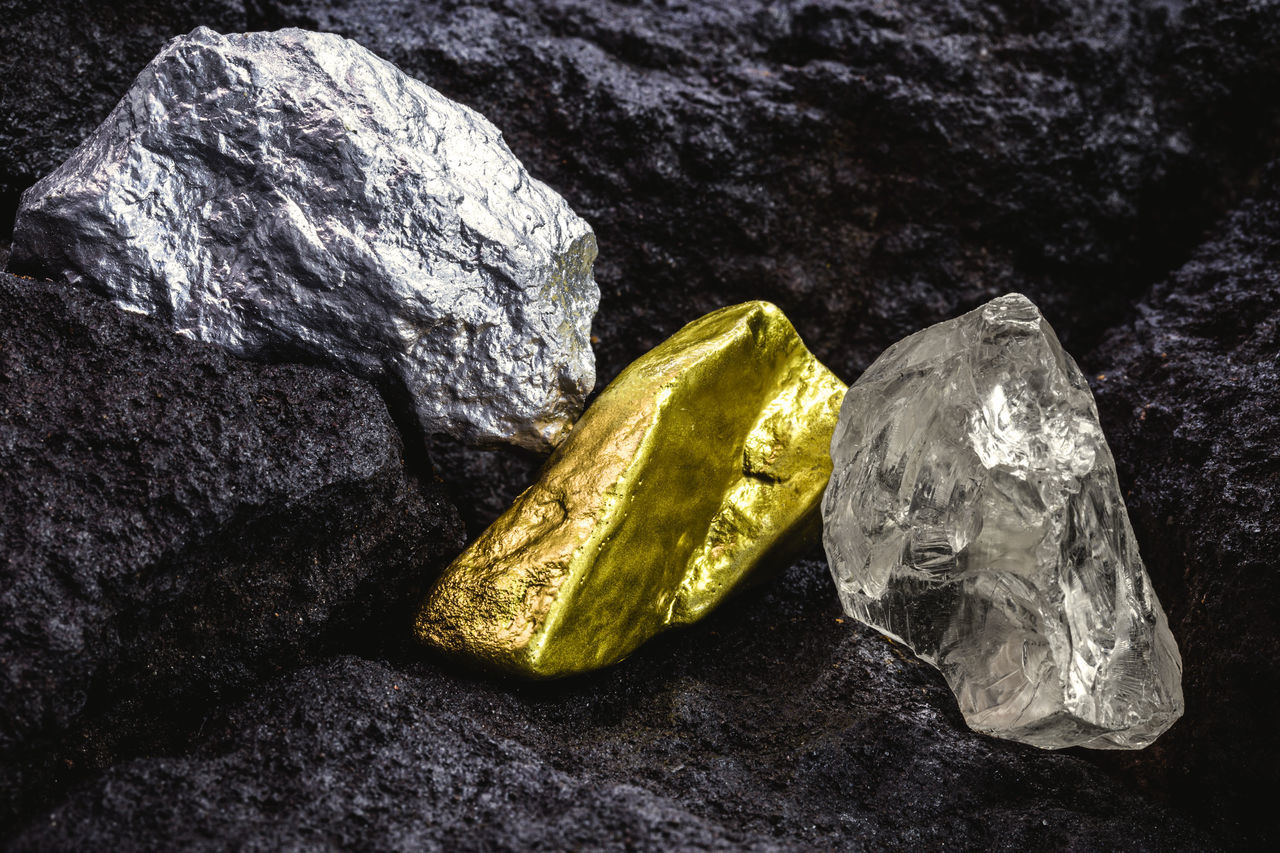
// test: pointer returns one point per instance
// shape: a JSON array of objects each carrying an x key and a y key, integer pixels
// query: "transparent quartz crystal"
[{"x": 974, "y": 514}]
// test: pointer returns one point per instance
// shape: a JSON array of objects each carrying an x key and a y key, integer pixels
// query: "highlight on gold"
[{"x": 700, "y": 467}]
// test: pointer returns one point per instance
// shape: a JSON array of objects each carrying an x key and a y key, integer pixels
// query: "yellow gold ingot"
[{"x": 703, "y": 462}]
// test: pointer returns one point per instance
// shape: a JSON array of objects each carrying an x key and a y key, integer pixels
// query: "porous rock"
[
  {"x": 872, "y": 167},
  {"x": 939, "y": 153},
  {"x": 175, "y": 524},
  {"x": 1189, "y": 393},
  {"x": 290, "y": 194},
  {"x": 77, "y": 59},
  {"x": 768, "y": 726}
]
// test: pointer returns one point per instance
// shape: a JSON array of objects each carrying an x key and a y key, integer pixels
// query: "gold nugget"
[{"x": 701, "y": 464}]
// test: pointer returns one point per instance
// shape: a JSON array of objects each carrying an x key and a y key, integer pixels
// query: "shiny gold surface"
[{"x": 704, "y": 461}]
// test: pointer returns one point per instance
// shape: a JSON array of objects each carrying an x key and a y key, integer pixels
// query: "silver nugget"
[
  {"x": 291, "y": 195},
  {"x": 975, "y": 515}
]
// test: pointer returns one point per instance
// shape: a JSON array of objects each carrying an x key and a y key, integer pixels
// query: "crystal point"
[{"x": 974, "y": 513}]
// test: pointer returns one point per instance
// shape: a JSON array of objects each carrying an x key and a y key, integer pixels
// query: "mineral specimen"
[
  {"x": 974, "y": 514},
  {"x": 291, "y": 194},
  {"x": 701, "y": 463}
]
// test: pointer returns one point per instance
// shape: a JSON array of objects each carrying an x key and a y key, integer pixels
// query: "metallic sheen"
[
  {"x": 290, "y": 195},
  {"x": 974, "y": 514},
  {"x": 702, "y": 462}
]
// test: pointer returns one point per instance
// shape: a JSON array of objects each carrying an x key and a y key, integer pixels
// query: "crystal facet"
[
  {"x": 290, "y": 194},
  {"x": 974, "y": 514},
  {"x": 701, "y": 463}
]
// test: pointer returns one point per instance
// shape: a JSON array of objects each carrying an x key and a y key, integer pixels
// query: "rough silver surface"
[
  {"x": 975, "y": 515},
  {"x": 290, "y": 194}
]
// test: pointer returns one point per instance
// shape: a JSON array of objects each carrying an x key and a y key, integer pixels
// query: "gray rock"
[
  {"x": 176, "y": 524},
  {"x": 974, "y": 514},
  {"x": 292, "y": 194}
]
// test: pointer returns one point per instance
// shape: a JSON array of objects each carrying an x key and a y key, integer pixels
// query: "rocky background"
[{"x": 206, "y": 565}]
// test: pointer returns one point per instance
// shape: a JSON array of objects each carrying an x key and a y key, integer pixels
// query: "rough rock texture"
[
  {"x": 77, "y": 59},
  {"x": 936, "y": 153},
  {"x": 974, "y": 514},
  {"x": 290, "y": 195},
  {"x": 175, "y": 524},
  {"x": 871, "y": 166},
  {"x": 690, "y": 743},
  {"x": 1190, "y": 395}
]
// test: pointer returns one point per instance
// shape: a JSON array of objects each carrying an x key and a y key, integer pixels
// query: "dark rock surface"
[
  {"x": 68, "y": 63},
  {"x": 1190, "y": 392},
  {"x": 871, "y": 166},
  {"x": 689, "y": 744},
  {"x": 175, "y": 524}
]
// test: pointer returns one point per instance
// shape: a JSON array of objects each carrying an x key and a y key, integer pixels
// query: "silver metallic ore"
[{"x": 290, "y": 194}]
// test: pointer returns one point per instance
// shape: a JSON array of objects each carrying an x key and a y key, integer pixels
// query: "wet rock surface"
[
  {"x": 871, "y": 167},
  {"x": 177, "y": 525}
]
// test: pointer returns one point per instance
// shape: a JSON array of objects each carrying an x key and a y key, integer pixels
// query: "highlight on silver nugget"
[{"x": 290, "y": 194}]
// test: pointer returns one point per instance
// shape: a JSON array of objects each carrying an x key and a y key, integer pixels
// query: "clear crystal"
[{"x": 974, "y": 514}]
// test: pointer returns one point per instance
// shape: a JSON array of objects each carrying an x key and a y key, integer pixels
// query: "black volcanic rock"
[
  {"x": 772, "y": 725},
  {"x": 175, "y": 524},
  {"x": 1190, "y": 397},
  {"x": 67, "y": 63},
  {"x": 871, "y": 166}
]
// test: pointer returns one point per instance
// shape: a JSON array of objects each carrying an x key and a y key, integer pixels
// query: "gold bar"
[{"x": 701, "y": 465}]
